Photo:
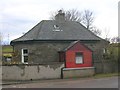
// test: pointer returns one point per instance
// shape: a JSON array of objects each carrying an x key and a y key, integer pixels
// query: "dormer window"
[{"x": 56, "y": 28}]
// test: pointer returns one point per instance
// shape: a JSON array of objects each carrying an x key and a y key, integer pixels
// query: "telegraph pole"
[{"x": 8, "y": 39}]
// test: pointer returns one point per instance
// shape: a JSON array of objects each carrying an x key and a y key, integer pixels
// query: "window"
[
  {"x": 24, "y": 55},
  {"x": 79, "y": 58},
  {"x": 25, "y": 51}
]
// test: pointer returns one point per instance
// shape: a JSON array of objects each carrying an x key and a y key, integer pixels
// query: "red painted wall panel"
[{"x": 70, "y": 56}]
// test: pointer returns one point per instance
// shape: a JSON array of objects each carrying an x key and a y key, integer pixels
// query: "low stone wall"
[
  {"x": 55, "y": 70},
  {"x": 31, "y": 72},
  {"x": 106, "y": 66},
  {"x": 78, "y": 72}
]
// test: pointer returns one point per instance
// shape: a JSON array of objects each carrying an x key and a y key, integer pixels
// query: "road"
[{"x": 109, "y": 82}]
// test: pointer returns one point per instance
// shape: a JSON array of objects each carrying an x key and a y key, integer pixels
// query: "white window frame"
[
  {"x": 105, "y": 50},
  {"x": 24, "y": 55},
  {"x": 79, "y": 60}
]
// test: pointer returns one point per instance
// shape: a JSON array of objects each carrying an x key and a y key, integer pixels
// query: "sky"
[{"x": 19, "y": 16}]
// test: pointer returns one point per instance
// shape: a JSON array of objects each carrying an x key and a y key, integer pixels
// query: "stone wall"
[
  {"x": 46, "y": 52},
  {"x": 107, "y": 66},
  {"x": 31, "y": 72},
  {"x": 42, "y": 52},
  {"x": 78, "y": 72},
  {"x": 54, "y": 71},
  {"x": 97, "y": 48}
]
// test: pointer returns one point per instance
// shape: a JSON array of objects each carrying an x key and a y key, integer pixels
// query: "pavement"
[{"x": 9, "y": 82}]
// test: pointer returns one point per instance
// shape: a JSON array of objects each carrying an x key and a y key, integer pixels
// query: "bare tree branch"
[
  {"x": 88, "y": 18},
  {"x": 70, "y": 15},
  {"x": 95, "y": 30},
  {"x": 115, "y": 40},
  {"x": 73, "y": 15}
]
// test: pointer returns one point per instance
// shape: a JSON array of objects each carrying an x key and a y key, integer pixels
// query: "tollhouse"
[{"x": 59, "y": 40}]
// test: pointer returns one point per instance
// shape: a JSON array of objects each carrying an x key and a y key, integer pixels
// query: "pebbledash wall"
[
  {"x": 31, "y": 72},
  {"x": 54, "y": 71}
]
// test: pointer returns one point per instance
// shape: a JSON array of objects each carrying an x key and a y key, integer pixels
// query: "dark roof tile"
[{"x": 66, "y": 30}]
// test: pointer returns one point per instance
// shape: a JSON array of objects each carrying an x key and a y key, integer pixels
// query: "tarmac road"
[{"x": 109, "y": 82}]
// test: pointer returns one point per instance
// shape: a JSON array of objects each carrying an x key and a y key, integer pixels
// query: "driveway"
[{"x": 109, "y": 82}]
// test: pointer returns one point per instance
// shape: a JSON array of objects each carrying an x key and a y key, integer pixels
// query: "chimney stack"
[{"x": 60, "y": 17}]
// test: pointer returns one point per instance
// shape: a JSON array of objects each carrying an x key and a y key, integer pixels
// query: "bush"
[{"x": 112, "y": 52}]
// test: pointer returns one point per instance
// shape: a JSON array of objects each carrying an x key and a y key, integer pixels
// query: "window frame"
[
  {"x": 24, "y": 55},
  {"x": 82, "y": 54}
]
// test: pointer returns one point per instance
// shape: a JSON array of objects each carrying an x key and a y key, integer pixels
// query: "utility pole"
[{"x": 8, "y": 39}]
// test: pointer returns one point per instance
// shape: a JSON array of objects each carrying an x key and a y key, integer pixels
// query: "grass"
[
  {"x": 106, "y": 75},
  {"x": 7, "y": 48}
]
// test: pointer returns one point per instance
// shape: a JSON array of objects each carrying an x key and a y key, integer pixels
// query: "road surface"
[{"x": 109, "y": 82}]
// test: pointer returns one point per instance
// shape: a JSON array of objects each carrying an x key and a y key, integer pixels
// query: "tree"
[
  {"x": 73, "y": 15},
  {"x": 95, "y": 30},
  {"x": 115, "y": 40},
  {"x": 86, "y": 18}
]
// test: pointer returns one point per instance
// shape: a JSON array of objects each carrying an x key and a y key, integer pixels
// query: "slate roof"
[{"x": 54, "y": 30}]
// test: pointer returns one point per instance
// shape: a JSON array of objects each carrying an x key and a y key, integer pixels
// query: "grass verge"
[{"x": 106, "y": 75}]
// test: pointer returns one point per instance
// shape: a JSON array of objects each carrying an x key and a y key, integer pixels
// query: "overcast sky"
[{"x": 19, "y": 16}]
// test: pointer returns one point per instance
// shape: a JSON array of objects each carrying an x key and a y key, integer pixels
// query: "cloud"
[{"x": 18, "y": 16}]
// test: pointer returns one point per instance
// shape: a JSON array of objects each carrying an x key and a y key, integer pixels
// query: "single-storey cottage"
[{"x": 59, "y": 40}]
